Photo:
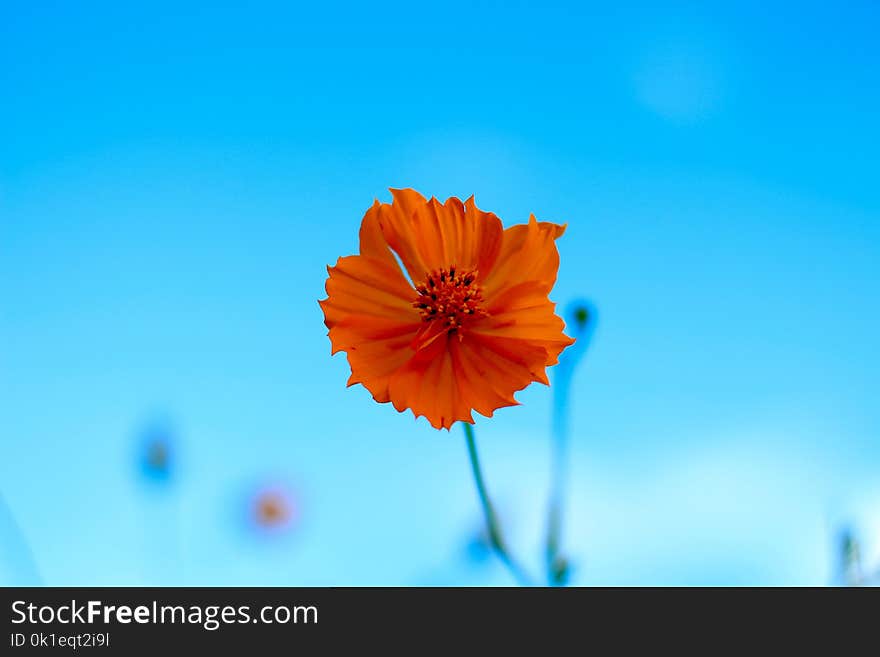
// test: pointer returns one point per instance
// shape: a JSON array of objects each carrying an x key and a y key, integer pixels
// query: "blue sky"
[{"x": 173, "y": 181}]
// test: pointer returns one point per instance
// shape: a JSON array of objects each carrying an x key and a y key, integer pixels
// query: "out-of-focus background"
[{"x": 174, "y": 177}]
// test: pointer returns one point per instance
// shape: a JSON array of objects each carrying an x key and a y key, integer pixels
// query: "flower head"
[
  {"x": 272, "y": 509},
  {"x": 468, "y": 322},
  {"x": 156, "y": 453}
]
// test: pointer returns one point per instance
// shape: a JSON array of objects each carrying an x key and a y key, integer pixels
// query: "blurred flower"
[
  {"x": 468, "y": 327},
  {"x": 272, "y": 509},
  {"x": 156, "y": 455}
]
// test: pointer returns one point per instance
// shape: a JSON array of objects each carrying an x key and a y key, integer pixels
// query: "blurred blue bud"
[{"x": 156, "y": 454}]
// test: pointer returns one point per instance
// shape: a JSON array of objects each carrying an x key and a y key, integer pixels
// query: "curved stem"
[{"x": 492, "y": 526}]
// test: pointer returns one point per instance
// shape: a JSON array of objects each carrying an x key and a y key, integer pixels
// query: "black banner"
[{"x": 283, "y": 620}]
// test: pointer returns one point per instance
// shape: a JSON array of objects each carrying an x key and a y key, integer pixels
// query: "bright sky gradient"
[{"x": 174, "y": 178}]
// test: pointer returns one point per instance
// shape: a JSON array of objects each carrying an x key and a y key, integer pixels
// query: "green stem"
[
  {"x": 556, "y": 564},
  {"x": 496, "y": 539}
]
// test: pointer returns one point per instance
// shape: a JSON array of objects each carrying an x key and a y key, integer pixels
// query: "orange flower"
[{"x": 471, "y": 324}]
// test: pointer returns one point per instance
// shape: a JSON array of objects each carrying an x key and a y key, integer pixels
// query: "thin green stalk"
[
  {"x": 581, "y": 317},
  {"x": 496, "y": 539},
  {"x": 557, "y": 564}
]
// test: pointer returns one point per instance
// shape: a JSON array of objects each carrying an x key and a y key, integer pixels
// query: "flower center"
[{"x": 450, "y": 297}]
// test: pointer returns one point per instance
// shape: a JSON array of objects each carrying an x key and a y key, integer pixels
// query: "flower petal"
[
  {"x": 429, "y": 235},
  {"x": 374, "y": 361},
  {"x": 397, "y": 221},
  {"x": 372, "y": 241},
  {"x": 523, "y": 312},
  {"x": 480, "y": 382},
  {"x": 517, "y": 362},
  {"x": 426, "y": 385},
  {"x": 528, "y": 253},
  {"x": 369, "y": 311}
]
